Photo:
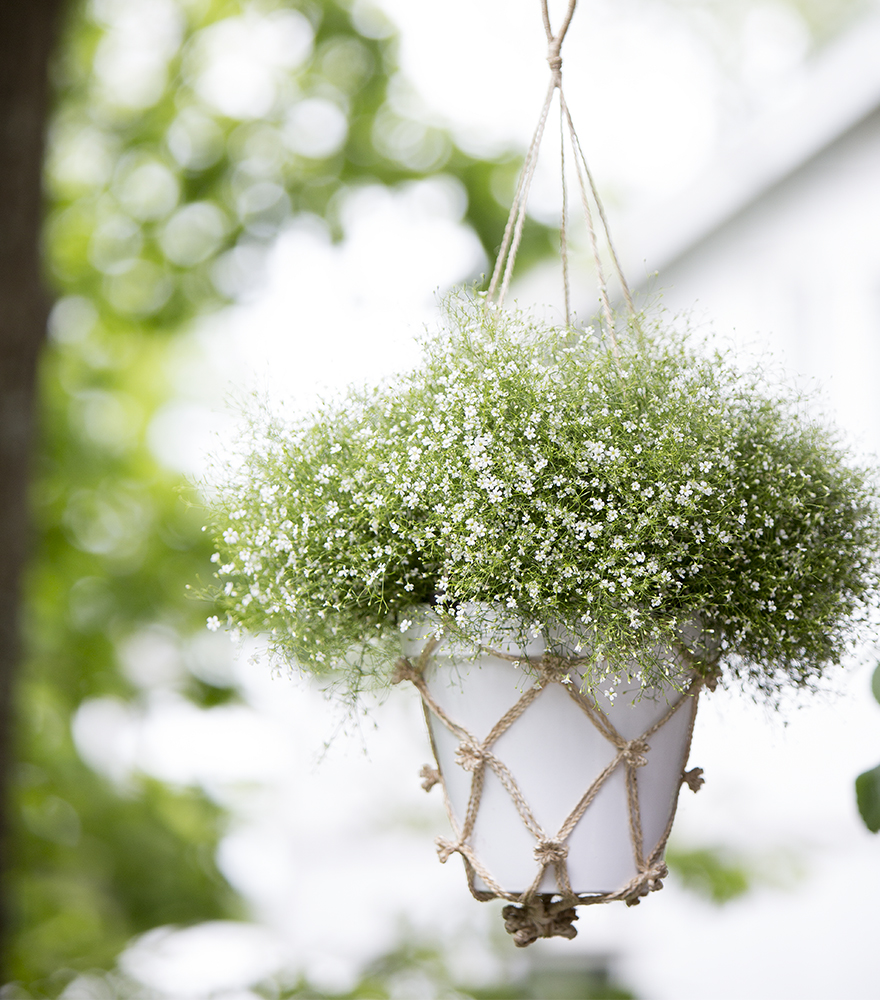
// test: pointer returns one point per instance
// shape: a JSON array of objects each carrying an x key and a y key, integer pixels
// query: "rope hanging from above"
[{"x": 510, "y": 243}]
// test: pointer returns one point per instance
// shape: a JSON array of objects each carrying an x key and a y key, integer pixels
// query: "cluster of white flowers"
[{"x": 523, "y": 468}]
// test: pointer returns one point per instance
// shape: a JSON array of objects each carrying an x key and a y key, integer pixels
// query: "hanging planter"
[
  {"x": 632, "y": 522},
  {"x": 548, "y": 788},
  {"x": 559, "y": 535}
]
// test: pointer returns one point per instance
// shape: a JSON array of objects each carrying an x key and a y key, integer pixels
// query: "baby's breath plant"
[{"x": 619, "y": 499}]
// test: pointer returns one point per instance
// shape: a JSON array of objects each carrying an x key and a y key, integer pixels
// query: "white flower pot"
[{"x": 554, "y": 752}]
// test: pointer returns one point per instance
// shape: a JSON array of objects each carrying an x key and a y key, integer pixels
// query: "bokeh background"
[{"x": 270, "y": 195}]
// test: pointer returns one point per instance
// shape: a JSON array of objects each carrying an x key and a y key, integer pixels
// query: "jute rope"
[
  {"x": 504, "y": 264},
  {"x": 536, "y": 914}
]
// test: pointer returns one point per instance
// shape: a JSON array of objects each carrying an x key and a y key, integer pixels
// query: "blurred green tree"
[
  {"x": 26, "y": 37},
  {"x": 185, "y": 135}
]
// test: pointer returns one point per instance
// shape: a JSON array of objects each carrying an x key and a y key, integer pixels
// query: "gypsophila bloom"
[{"x": 622, "y": 503}]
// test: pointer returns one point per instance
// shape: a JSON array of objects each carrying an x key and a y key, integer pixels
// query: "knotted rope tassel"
[{"x": 535, "y": 919}]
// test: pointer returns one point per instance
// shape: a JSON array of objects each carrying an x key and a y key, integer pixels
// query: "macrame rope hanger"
[
  {"x": 533, "y": 913},
  {"x": 510, "y": 243}
]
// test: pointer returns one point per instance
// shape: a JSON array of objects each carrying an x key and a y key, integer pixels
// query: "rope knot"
[
  {"x": 650, "y": 881},
  {"x": 693, "y": 779},
  {"x": 527, "y": 923},
  {"x": 554, "y": 60},
  {"x": 430, "y": 776},
  {"x": 711, "y": 678},
  {"x": 635, "y": 753},
  {"x": 554, "y": 670},
  {"x": 551, "y": 852},
  {"x": 469, "y": 756},
  {"x": 404, "y": 671},
  {"x": 445, "y": 849}
]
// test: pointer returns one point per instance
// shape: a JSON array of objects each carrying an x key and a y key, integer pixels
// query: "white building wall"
[{"x": 798, "y": 271}]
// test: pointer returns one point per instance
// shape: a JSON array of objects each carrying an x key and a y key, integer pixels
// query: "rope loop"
[{"x": 566, "y": 21}]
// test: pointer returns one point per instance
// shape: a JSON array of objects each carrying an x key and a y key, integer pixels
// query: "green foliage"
[
  {"x": 95, "y": 864},
  {"x": 712, "y": 873},
  {"x": 868, "y": 782},
  {"x": 411, "y": 970},
  {"x": 164, "y": 198},
  {"x": 92, "y": 877},
  {"x": 408, "y": 970},
  {"x": 721, "y": 874},
  {"x": 868, "y": 798},
  {"x": 532, "y": 472}
]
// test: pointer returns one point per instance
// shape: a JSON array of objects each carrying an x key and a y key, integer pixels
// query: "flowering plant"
[{"x": 611, "y": 497}]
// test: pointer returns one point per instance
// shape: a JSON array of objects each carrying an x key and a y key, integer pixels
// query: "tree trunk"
[{"x": 27, "y": 32}]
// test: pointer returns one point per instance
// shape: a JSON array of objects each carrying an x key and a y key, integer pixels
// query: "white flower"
[
  {"x": 405, "y": 624},
  {"x": 213, "y": 623}
]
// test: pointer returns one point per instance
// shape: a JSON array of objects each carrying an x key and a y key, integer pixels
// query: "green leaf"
[
  {"x": 710, "y": 872},
  {"x": 868, "y": 797},
  {"x": 875, "y": 683}
]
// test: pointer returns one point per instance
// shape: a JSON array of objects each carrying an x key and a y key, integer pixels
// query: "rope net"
[{"x": 533, "y": 913}]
